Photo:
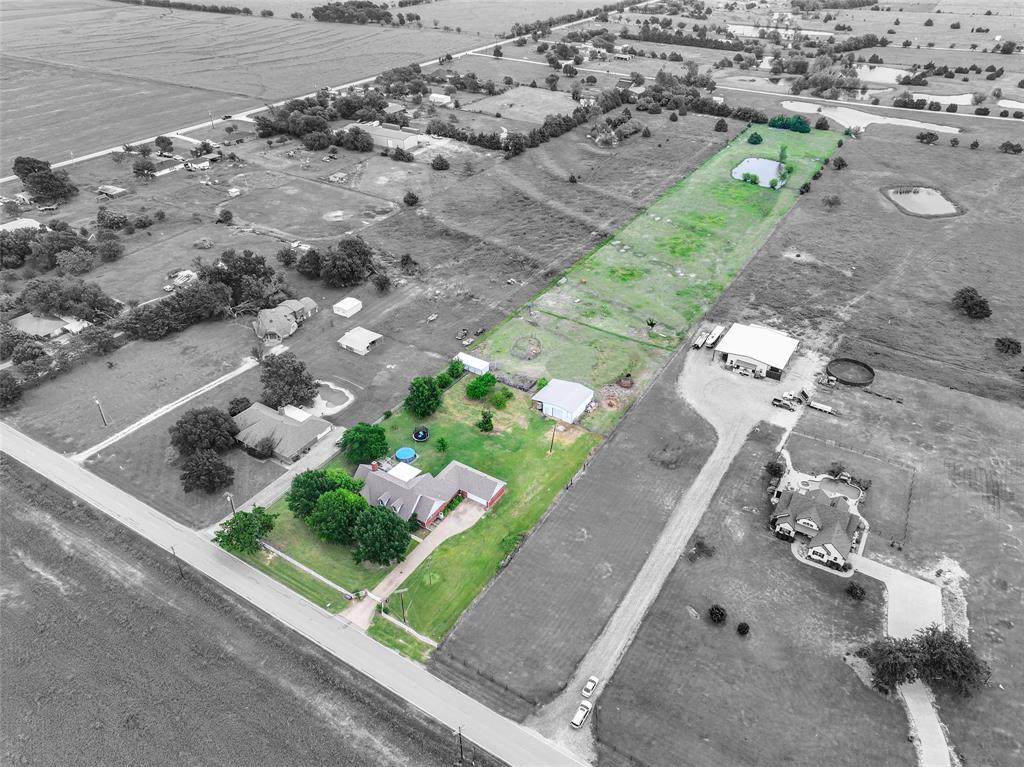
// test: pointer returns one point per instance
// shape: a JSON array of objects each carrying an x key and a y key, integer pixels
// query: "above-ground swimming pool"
[
  {"x": 765, "y": 170},
  {"x": 405, "y": 454}
]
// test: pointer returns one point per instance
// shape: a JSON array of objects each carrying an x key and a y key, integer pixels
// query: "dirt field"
[
  {"x": 965, "y": 514},
  {"x": 522, "y": 639},
  {"x": 182, "y": 84},
  {"x": 686, "y": 686},
  {"x": 878, "y": 284},
  {"x": 110, "y": 657},
  {"x": 529, "y": 104}
]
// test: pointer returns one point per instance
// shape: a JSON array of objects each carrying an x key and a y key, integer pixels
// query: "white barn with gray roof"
[{"x": 564, "y": 400}]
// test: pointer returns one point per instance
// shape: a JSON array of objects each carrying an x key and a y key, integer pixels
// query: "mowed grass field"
[
  {"x": 688, "y": 686},
  {"x": 515, "y": 452},
  {"x": 966, "y": 507},
  {"x": 159, "y": 70},
  {"x": 398, "y": 639}
]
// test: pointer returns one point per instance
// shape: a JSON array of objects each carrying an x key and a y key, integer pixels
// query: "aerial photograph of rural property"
[{"x": 524, "y": 383}]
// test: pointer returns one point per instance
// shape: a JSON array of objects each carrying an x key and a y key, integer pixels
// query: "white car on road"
[
  {"x": 581, "y": 714},
  {"x": 590, "y": 686}
]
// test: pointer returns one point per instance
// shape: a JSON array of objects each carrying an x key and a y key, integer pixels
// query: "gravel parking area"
[
  {"x": 110, "y": 656},
  {"x": 521, "y": 641}
]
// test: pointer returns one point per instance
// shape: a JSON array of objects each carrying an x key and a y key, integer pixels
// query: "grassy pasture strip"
[
  {"x": 313, "y": 589},
  {"x": 672, "y": 260},
  {"x": 390, "y": 635},
  {"x": 517, "y": 452}
]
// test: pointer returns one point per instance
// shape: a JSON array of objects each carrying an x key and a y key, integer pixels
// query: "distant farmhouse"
[
  {"x": 274, "y": 325},
  {"x": 47, "y": 326},
  {"x": 407, "y": 491},
  {"x": 292, "y": 430}
]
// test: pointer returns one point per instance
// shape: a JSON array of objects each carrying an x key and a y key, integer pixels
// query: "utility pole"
[
  {"x": 401, "y": 596},
  {"x": 462, "y": 755},
  {"x": 554, "y": 427},
  {"x": 211, "y": 120},
  {"x": 102, "y": 414},
  {"x": 178, "y": 563},
  {"x": 231, "y": 501}
]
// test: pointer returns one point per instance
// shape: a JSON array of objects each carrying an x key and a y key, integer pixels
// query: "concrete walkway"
[
  {"x": 733, "y": 405},
  {"x": 912, "y": 604},
  {"x": 464, "y": 517}
]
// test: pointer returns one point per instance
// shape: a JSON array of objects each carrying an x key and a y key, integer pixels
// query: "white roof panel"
[
  {"x": 772, "y": 347},
  {"x": 404, "y": 471}
]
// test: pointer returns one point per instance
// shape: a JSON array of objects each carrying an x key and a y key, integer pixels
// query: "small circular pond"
[
  {"x": 764, "y": 170},
  {"x": 922, "y": 201}
]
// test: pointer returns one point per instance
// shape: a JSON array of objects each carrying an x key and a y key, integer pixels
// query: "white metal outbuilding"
[
  {"x": 348, "y": 306},
  {"x": 473, "y": 364},
  {"x": 359, "y": 340},
  {"x": 564, "y": 400},
  {"x": 763, "y": 351}
]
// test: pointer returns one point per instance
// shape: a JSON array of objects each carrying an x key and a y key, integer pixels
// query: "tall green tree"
[
  {"x": 892, "y": 661},
  {"x": 24, "y": 167},
  {"x": 382, "y": 536},
  {"x": 364, "y": 443},
  {"x": 206, "y": 428},
  {"x": 286, "y": 381},
  {"x": 10, "y": 389},
  {"x": 334, "y": 516},
  {"x": 244, "y": 531},
  {"x": 946, "y": 660},
  {"x": 307, "y": 487},
  {"x": 424, "y": 397},
  {"x": 205, "y": 470}
]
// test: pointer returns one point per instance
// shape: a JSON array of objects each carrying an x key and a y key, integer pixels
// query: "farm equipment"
[
  {"x": 823, "y": 408},
  {"x": 715, "y": 335},
  {"x": 462, "y": 334},
  {"x": 700, "y": 339}
]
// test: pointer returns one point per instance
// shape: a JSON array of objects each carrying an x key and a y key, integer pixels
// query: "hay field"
[{"x": 154, "y": 70}]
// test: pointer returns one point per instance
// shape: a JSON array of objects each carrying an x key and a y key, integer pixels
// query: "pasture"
[{"x": 685, "y": 684}]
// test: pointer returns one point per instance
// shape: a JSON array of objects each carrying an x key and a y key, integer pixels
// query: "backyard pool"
[{"x": 765, "y": 170}]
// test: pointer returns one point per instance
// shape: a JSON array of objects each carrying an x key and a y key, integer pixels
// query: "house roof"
[
  {"x": 278, "y": 321},
  {"x": 567, "y": 395},
  {"x": 421, "y": 493},
  {"x": 393, "y": 108},
  {"x": 836, "y": 525},
  {"x": 359, "y": 337},
  {"x": 309, "y": 304},
  {"x": 404, "y": 471},
  {"x": 292, "y": 305},
  {"x": 20, "y": 223},
  {"x": 292, "y": 436},
  {"x": 766, "y": 345},
  {"x": 349, "y": 304},
  {"x": 40, "y": 327},
  {"x": 392, "y": 132}
]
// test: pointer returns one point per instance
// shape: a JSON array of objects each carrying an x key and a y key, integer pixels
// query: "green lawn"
[
  {"x": 666, "y": 266},
  {"x": 334, "y": 562},
  {"x": 516, "y": 452},
  {"x": 311, "y": 588},
  {"x": 390, "y": 635}
]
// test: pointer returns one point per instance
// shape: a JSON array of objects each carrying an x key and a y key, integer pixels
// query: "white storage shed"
[
  {"x": 359, "y": 340},
  {"x": 564, "y": 400},
  {"x": 348, "y": 306},
  {"x": 473, "y": 364}
]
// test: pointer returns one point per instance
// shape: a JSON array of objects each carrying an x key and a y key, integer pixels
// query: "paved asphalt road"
[{"x": 501, "y": 737}]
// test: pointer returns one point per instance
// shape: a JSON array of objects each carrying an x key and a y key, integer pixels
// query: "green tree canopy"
[
  {"x": 481, "y": 386},
  {"x": 207, "y": 428},
  {"x": 382, "y": 535},
  {"x": 424, "y": 397},
  {"x": 286, "y": 381},
  {"x": 243, "y": 532},
  {"x": 205, "y": 470},
  {"x": 307, "y": 487},
  {"x": 333, "y": 518},
  {"x": 364, "y": 443}
]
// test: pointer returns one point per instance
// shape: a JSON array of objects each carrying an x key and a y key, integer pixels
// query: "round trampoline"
[
  {"x": 851, "y": 372},
  {"x": 405, "y": 454},
  {"x": 420, "y": 434}
]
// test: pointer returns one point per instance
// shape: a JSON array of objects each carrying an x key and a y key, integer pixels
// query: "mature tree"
[
  {"x": 9, "y": 339},
  {"x": 1007, "y": 345},
  {"x": 946, "y": 660},
  {"x": 721, "y": 126},
  {"x": 163, "y": 143},
  {"x": 382, "y": 535},
  {"x": 775, "y": 469},
  {"x": 839, "y": 163},
  {"x": 237, "y": 405},
  {"x": 717, "y": 614},
  {"x": 110, "y": 248},
  {"x": 892, "y": 661},
  {"x": 244, "y": 531},
  {"x": 286, "y": 256},
  {"x": 486, "y": 422},
  {"x": 76, "y": 261},
  {"x": 928, "y": 137},
  {"x": 24, "y": 167},
  {"x": 856, "y": 592},
  {"x": 334, "y": 515},
  {"x": 85, "y": 300},
  {"x": 49, "y": 186},
  {"x": 16, "y": 247},
  {"x": 206, "y": 428},
  {"x": 309, "y": 264},
  {"x": 26, "y": 350},
  {"x": 972, "y": 303},
  {"x": 822, "y": 124},
  {"x": 10, "y": 389},
  {"x": 225, "y": 217},
  {"x": 346, "y": 264},
  {"x": 316, "y": 141},
  {"x": 286, "y": 381},
  {"x": 552, "y": 81},
  {"x": 481, "y": 386},
  {"x": 364, "y": 443},
  {"x": 743, "y": 629},
  {"x": 254, "y": 284},
  {"x": 754, "y": 138},
  {"x": 411, "y": 199},
  {"x": 144, "y": 168},
  {"x": 306, "y": 489},
  {"x": 424, "y": 397},
  {"x": 100, "y": 339},
  {"x": 440, "y": 162},
  {"x": 206, "y": 470}
]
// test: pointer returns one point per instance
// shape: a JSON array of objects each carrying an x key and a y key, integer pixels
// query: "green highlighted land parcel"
[{"x": 621, "y": 308}]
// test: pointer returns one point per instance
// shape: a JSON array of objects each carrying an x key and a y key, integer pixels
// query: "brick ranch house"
[{"x": 831, "y": 529}]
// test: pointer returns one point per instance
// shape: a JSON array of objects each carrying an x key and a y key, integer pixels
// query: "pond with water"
[
  {"x": 855, "y": 118},
  {"x": 921, "y": 201},
  {"x": 765, "y": 170}
]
